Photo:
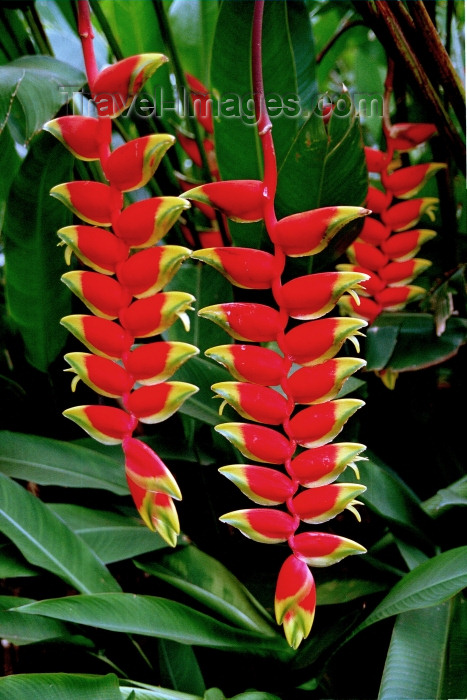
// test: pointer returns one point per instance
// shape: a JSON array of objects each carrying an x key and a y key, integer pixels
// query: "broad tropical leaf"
[
  {"x": 44, "y": 540},
  {"x": 430, "y": 583},
  {"x": 52, "y": 462},
  {"x": 415, "y": 664},
  {"x": 32, "y": 90},
  {"x": 408, "y": 341},
  {"x": 112, "y": 537},
  {"x": 56, "y": 686},
  {"x": 155, "y": 617},
  {"x": 453, "y": 495},
  {"x": 36, "y": 298},
  {"x": 209, "y": 582}
]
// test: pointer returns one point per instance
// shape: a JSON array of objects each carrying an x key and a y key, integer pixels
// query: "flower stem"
[{"x": 86, "y": 36}]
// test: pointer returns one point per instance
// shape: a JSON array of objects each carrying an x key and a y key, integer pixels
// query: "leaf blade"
[{"x": 44, "y": 540}]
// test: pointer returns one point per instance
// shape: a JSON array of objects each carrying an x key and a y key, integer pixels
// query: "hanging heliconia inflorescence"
[
  {"x": 386, "y": 247},
  {"x": 121, "y": 276},
  {"x": 292, "y": 462}
]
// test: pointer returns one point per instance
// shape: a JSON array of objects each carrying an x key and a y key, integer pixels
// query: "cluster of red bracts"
[
  {"x": 388, "y": 243},
  {"x": 123, "y": 289},
  {"x": 293, "y": 388}
]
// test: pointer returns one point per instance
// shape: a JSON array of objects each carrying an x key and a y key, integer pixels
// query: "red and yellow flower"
[
  {"x": 123, "y": 289},
  {"x": 292, "y": 462}
]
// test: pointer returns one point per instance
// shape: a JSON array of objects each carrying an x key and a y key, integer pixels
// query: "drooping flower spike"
[
  {"x": 389, "y": 237},
  {"x": 286, "y": 397},
  {"x": 123, "y": 287}
]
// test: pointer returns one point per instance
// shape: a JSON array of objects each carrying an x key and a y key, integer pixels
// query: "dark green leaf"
[
  {"x": 10, "y": 162},
  {"x": 430, "y": 583},
  {"x": 324, "y": 167},
  {"x": 304, "y": 55},
  {"x": 408, "y": 341},
  {"x": 20, "y": 629},
  {"x": 154, "y": 617},
  {"x": 12, "y": 564},
  {"x": 255, "y": 695},
  {"x": 337, "y": 591},
  {"x": 179, "y": 667},
  {"x": 453, "y": 495},
  {"x": 111, "y": 536},
  {"x": 237, "y": 142},
  {"x": 46, "y": 461},
  {"x": 132, "y": 690},
  {"x": 36, "y": 298},
  {"x": 415, "y": 664},
  {"x": 203, "y": 373},
  {"x": 192, "y": 23},
  {"x": 208, "y": 287},
  {"x": 210, "y": 583},
  {"x": 44, "y": 540},
  {"x": 391, "y": 498},
  {"x": 32, "y": 90},
  {"x": 454, "y": 680},
  {"x": 57, "y": 686}
]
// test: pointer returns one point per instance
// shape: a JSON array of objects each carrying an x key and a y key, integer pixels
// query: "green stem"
[
  {"x": 37, "y": 30},
  {"x": 345, "y": 25},
  {"x": 107, "y": 29}
]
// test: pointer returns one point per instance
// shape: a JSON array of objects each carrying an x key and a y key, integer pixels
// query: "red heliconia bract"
[
  {"x": 123, "y": 288},
  {"x": 239, "y": 200}
]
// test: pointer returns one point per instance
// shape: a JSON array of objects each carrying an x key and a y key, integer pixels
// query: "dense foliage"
[{"x": 94, "y": 604}]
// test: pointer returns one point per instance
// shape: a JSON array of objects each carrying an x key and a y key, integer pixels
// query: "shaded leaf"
[
  {"x": 10, "y": 162},
  {"x": 415, "y": 664},
  {"x": 203, "y": 373},
  {"x": 208, "y": 287},
  {"x": 454, "y": 680},
  {"x": 111, "y": 536},
  {"x": 52, "y": 462},
  {"x": 324, "y": 167},
  {"x": 12, "y": 564},
  {"x": 154, "y": 617},
  {"x": 444, "y": 499},
  {"x": 132, "y": 690},
  {"x": 22, "y": 629},
  {"x": 32, "y": 90},
  {"x": 179, "y": 667},
  {"x": 44, "y": 540},
  {"x": 302, "y": 42},
  {"x": 337, "y": 591},
  {"x": 430, "y": 583},
  {"x": 57, "y": 686},
  {"x": 193, "y": 23},
  {"x": 408, "y": 341},
  {"x": 36, "y": 298},
  {"x": 209, "y": 582},
  {"x": 388, "y": 496}
]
